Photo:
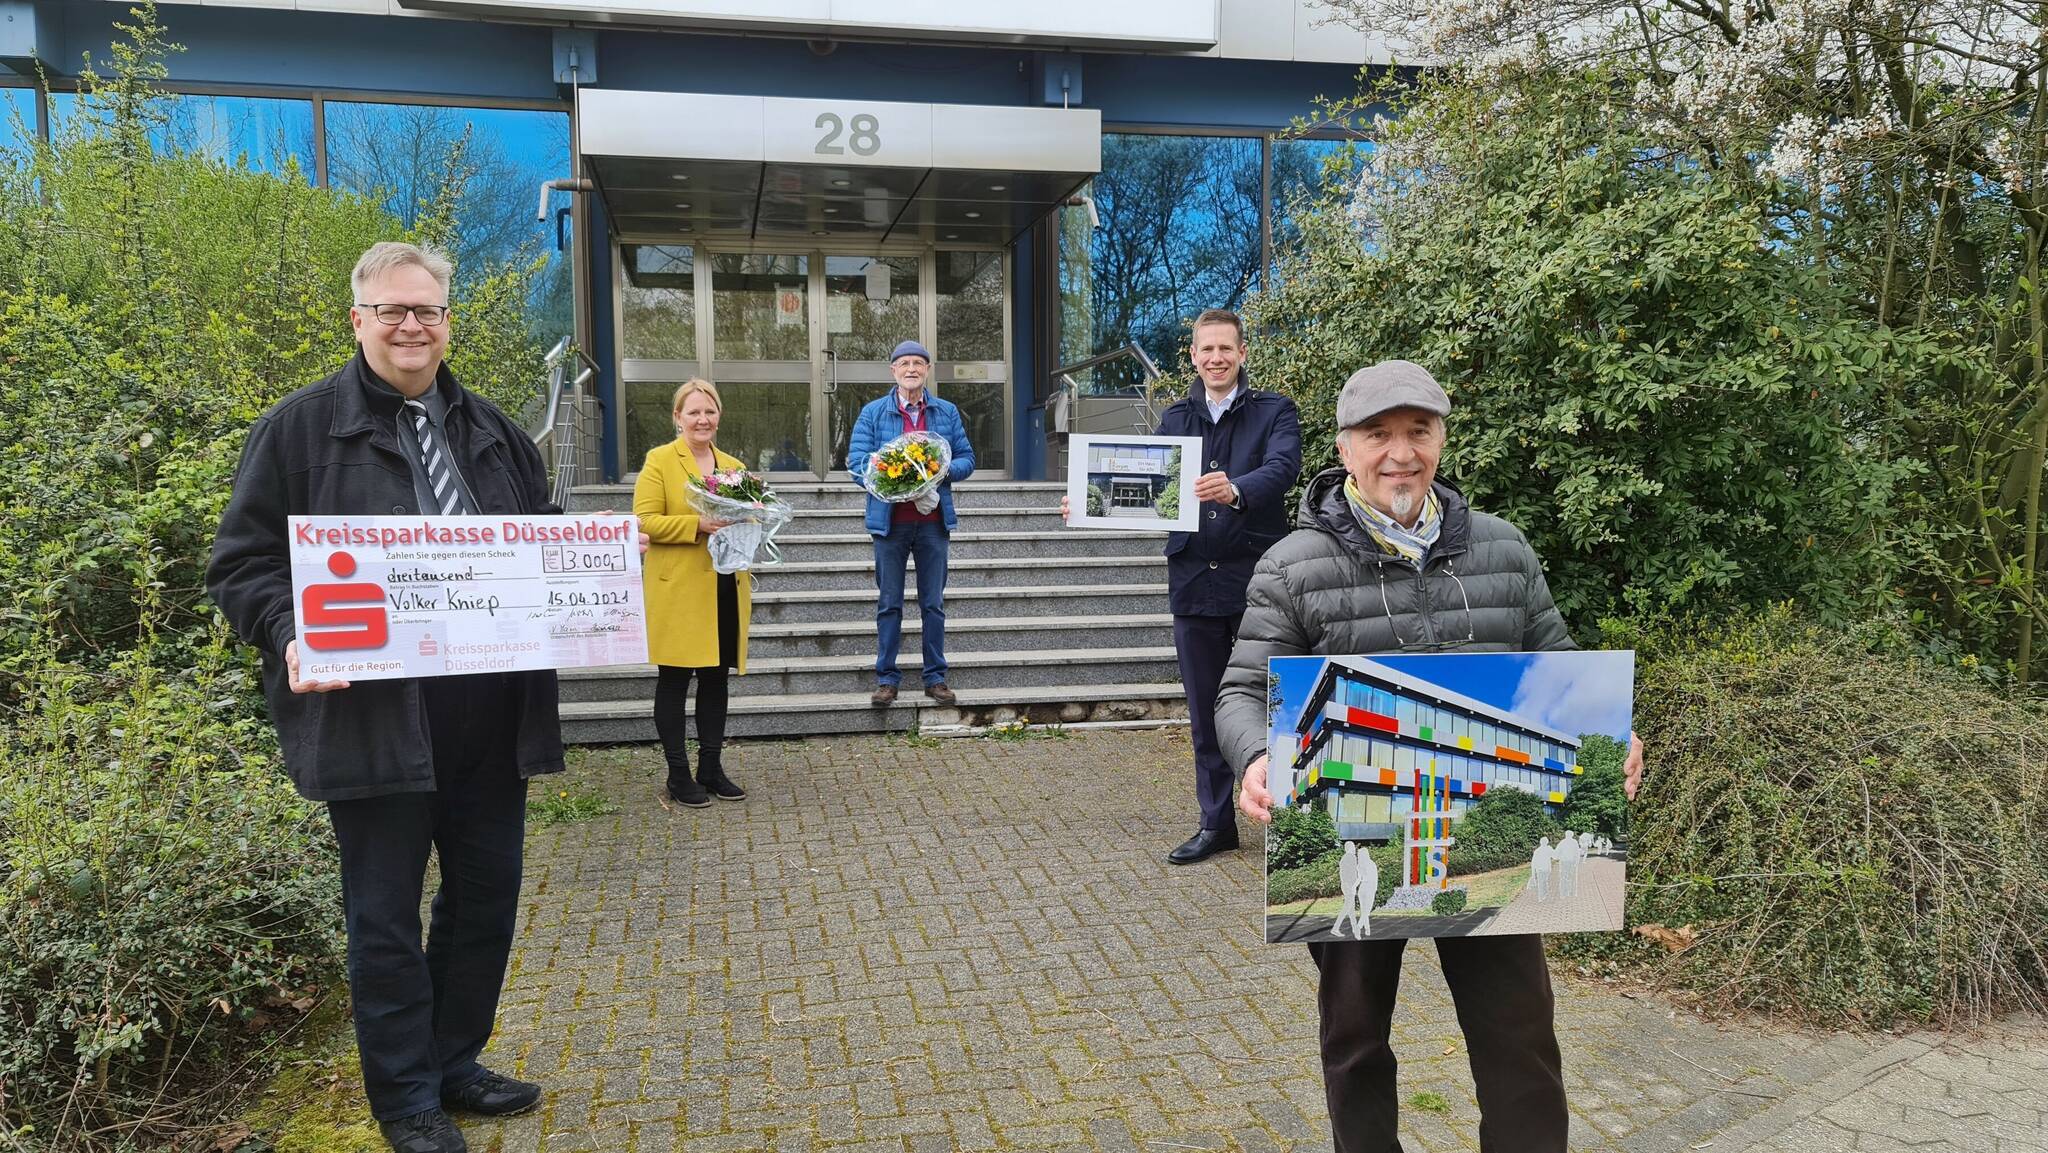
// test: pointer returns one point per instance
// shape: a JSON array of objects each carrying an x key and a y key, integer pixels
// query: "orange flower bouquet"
[{"x": 910, "y": 467}]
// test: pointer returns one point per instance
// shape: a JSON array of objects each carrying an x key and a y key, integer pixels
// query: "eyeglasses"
[
  {"x": 427, "y": 314},
  {"x": 1419, "y": 645}
]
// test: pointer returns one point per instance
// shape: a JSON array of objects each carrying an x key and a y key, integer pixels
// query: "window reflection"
[
  {"x": 483, "y": 166},
  {"x": 1301, "y": 170},
  {"x": 870, "y": 305},
  {"x": 1180, "y": 232},
  {"x": 970, "y": 296},
  {"x": 265, "y": 133},
  {"x": 660, "y": 302},
  {"x": 17, "y": 118}
]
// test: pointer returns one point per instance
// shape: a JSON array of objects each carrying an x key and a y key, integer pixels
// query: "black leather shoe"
[
  {"x": 493, "y": 1095},
  {"x": 428, "y": 1132},
  {"x": 684, "y": 791},
  {"x": 1204, "y": 845},
  {"x": 719, "y": 785}
]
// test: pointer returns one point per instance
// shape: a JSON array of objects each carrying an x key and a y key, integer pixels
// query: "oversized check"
[{"x": 379, "y": 597}]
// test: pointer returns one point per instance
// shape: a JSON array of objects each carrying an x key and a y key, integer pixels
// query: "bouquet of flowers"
[
  {"x": 755, "y": 512},
  {"x": 911, "y": 468}
]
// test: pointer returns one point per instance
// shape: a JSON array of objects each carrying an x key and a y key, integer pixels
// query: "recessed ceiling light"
[
  {"x": 679, "y": 205},
  {"x": 830, "y": 211},
  {"x": 997, "y": 187},
  {"x": 974, "y": 216},
  {"x": 680, "y": 176},
  {"x": 841, "y": 183},
  {"x": 818, "y": 232},
  {"x": 952, "y": 236}
]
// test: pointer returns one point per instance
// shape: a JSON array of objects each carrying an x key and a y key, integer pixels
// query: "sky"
[{"x": 1572, "y": 692}]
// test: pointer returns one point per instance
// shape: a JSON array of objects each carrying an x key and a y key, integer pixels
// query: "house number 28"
[{"x": 863, "y": 135}]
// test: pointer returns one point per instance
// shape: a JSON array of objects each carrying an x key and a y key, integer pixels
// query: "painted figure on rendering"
[{"x": 1539, "y": 868}]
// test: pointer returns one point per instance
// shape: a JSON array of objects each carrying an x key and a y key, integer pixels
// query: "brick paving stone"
[{"x": 978, "y": 946}]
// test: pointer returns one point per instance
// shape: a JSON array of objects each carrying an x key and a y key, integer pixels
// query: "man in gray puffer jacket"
[{"x": 1385, "y": 559}]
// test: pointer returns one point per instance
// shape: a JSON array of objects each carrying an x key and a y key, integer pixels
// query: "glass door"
[
  {"x": 871, "y": 306},
  {"x": 762, "y": 358},
  {"x": 798, "y": 342}
]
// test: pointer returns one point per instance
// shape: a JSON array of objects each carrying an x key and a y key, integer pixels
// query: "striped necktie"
[{"x": 440, "y": 469}]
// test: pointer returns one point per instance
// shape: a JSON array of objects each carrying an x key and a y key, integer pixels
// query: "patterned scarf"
[{"x": 1410, "y": 544}]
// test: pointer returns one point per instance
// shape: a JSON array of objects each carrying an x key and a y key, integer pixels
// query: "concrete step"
[
  {"x": 857, "y": 638},
  {"x": 970, "y": 494},
  {"x": 965, "y": 574},
  {"x": 825, "y": 676},
  {"x": 604, "y": 722},
  {"x": 1003, "y": 518},
  {"x": 970, "y": 545},
  {"x": 848, "y": 605}
]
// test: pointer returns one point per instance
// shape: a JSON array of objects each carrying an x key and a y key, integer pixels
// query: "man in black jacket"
[
  {"x": 1251, "y": 453},
  {"x": 405, "y": 766}
]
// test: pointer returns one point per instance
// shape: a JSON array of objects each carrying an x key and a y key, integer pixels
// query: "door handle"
[{"x": 832, "y": 384}]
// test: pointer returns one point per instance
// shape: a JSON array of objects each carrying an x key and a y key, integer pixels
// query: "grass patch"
[
  {"x": 567, "y": 806},
  {"x": 1026, "y": 731},
  {"x": 1429, "y": 1102},
  {"x": 915, "y": 738}
]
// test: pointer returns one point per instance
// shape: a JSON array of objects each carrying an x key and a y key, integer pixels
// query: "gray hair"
[{"x": 388, "y": 255}]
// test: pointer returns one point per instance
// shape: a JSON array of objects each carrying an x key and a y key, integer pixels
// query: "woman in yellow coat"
[{"x": 696, "y": 617}]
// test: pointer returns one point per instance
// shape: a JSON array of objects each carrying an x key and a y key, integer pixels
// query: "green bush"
[
  {"x": 163, "y": 894},
  {"x": 1853, "y": 833},
  {"x": 1317, "y": 878},
  {"x": 1300, "y": 835},
  {"x": 1098, "y": 501},
  {"x": 1674, "y": 406},
  {"x": 150, "y": 307},
  {"x": 1499, "y": 831},
  {"x": 1448, "y": 902}
]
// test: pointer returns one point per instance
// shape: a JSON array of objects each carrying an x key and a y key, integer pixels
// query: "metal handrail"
[
  {"x": 1149, "y": 370},
  {"x": 566, "y": 435}
]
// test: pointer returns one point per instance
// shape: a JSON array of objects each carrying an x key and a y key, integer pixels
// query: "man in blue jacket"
[
  {"x": 906, "y": 530},
  {"x": 1251, "y": 454}
]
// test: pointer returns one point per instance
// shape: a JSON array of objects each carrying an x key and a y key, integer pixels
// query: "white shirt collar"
[{"x": 1217, "y": 407}]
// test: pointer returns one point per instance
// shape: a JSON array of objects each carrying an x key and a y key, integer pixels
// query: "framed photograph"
[
  {"x": 1447, "y": 794},
  {"x": 1141, "y": 483}
]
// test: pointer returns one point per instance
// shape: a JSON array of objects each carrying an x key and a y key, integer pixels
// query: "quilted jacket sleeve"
[{"x": 1270, "y": 628}]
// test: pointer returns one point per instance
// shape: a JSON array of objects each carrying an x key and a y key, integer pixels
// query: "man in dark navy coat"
[{"x": 1251, "y": 453}]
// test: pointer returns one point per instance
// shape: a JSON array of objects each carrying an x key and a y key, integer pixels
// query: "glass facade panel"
[
  {"x": 17, "y": 118},
  {"x": 264, "y": 133},
  {"x": 981, "y": 410},
  {"x": 1180, "y": 232},
  {"x": 1404, "y": 712},
  {"x": 659, "y": 302},
  {"x": 649, "y": 423},
  {"x": 1351, "y": 808},
  {"x": 760, "y": 305},
  {"x": 1302, "y": 169},
  {"x": 768, "y": 425},
  {"x": 1379, "y": 809},
  {"x": 484, "y": 165},
  {"x": 970, "y": 301},
  {"x": 864, "y": 326},
  {"x": 1404, "y": 759}
]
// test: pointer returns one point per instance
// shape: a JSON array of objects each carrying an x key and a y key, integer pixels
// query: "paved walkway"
[
  {"x": 976, "y": 945},
  {"x": 1598, "y": 902}
]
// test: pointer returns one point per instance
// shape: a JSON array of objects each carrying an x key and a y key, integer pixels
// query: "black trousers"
[
  {"x": 714, "y": 692},
  {"x": 1501, "y": 986},
  {"x": 423, "y": 1013},
  {"x": 1203, "y": 646}
]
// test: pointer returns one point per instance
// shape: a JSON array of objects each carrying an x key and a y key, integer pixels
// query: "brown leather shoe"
[
  {"x": 884, "y": 695},
  {"x": 940, "y": 693}
]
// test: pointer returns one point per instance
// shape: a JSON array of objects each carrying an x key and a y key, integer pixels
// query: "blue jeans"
[{"x": 925, "y": 540}]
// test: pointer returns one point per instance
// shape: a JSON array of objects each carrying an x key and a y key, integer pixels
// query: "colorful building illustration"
[{"x": 1384, "y": 752}]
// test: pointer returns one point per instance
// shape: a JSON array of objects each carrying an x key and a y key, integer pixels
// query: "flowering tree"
[{"x": 1901, "y": 146}]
